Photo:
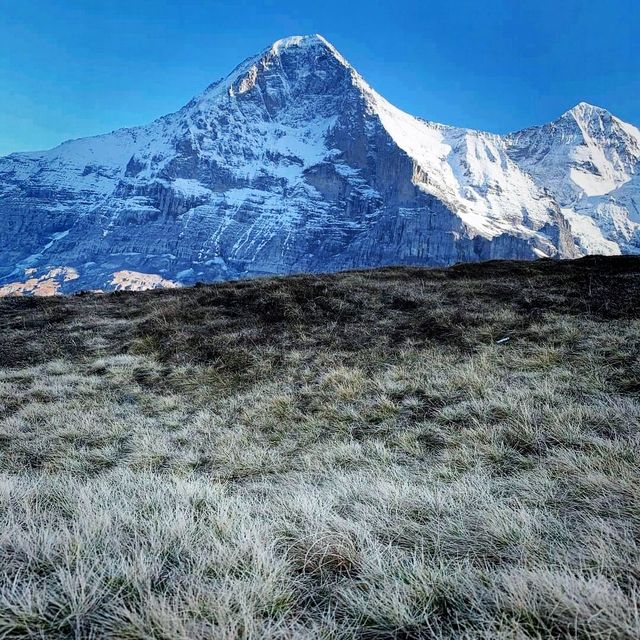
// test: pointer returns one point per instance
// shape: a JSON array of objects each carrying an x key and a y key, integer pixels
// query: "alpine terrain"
[{"x": 293, "y": 163}]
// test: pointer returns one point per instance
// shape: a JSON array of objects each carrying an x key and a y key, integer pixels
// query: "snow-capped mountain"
[
  {"x": 590, "y": 162},
  {"x": 294, "y": 163}
]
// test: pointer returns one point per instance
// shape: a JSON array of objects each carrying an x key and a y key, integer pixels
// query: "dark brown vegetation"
[
  {"x": 398, "y": 453},
  {"x": 214, "y": 324}
]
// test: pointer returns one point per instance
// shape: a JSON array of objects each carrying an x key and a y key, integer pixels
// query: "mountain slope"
[
  {"x": 590, "y": 162},
  {"x": 291, "y": 163}
]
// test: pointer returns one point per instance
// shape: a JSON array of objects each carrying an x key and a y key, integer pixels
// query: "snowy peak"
[
  {"x": 586, "y": 152},
  {"x": 584, "y": 111},
  {"x": 594, "y": 118},
  {"x": 589, "y": 160},
  {"x": 313, "y": 41},
  {"x": 599, "y": 126},
  {"x": 315, "y": 45},
  {"x": 289, "y": 59}
]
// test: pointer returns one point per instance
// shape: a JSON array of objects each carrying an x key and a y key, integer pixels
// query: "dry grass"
[{"x": 326, "y": 457}]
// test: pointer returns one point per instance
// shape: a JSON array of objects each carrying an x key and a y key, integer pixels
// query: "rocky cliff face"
[{"x": 291, "y": 163}]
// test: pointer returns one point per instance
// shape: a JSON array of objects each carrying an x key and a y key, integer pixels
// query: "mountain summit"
[
  {"x": 589, "y": 160},
  {"x": 294, "y": 163}
]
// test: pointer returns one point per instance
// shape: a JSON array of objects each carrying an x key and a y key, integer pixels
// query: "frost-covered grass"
[{"x": 257, "y": 460}]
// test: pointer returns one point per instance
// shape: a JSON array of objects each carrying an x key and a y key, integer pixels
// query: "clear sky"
[{"x": 70, "y": 68}]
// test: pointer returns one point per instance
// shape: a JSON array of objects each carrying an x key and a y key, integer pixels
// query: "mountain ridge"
[{"x": 292, "y": 162}]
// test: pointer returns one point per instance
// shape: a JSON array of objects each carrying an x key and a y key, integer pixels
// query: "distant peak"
[
  {"x": 584, "y": 109},
  {"x": 312, "y": 40},
  {"x": 243, "y": 77}
]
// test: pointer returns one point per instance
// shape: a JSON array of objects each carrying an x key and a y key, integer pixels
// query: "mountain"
[
  {"x": 294, "y": 163},
  {"x": 590, "y": 162}
]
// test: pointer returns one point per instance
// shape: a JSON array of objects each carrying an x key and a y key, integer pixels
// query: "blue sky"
[{"x": 70, "y": 68}]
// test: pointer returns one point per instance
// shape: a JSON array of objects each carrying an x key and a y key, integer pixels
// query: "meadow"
[{"x": 388, "y": 454}]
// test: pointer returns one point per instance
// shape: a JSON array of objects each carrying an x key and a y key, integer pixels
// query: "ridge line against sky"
[{"x": 83, "y": 67}]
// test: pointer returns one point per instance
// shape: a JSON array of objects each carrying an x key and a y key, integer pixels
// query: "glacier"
[{"x": 293, "y": 163}]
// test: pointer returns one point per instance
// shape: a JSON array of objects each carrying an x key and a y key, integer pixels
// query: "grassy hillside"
[{"x": 400, "y": 453}]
